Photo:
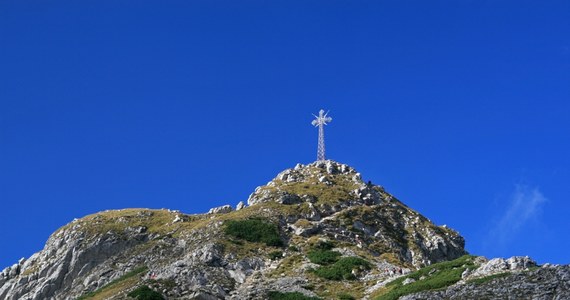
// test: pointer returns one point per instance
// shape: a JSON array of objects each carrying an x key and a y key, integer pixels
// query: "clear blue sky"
[{"x": 458, "y": 108}]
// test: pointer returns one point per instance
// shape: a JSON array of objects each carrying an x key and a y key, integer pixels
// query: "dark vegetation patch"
[
  {"x": 275, "y": 255},
  {"x": 342, "y": 268},
  {"x": 274, "y": 295},
  {"x": 323, "y": 245},
  {"x": 323, "y": 257},
  {"x": 333, "y": 266},
  {"x": 481, "y": 280},
  {"x": 145, "y": 293},
  {"x": 322, "y": 254},
  {"x": 254, "y": 230},
  {"x": 435, "y": 277}
]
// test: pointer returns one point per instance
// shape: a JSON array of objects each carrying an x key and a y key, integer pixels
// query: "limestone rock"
[
  {"x": 500, "y": 265},
  {"x": 221, "y": 209},
  {"x": 177, "y": 219},
  {"x": 306, "y": 230}
]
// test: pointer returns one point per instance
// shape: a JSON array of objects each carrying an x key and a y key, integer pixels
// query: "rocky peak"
[
  {"x": 331, "y": 198},
  {"x": 326, "y": 183},
  {"x": 319, "y": 170}
]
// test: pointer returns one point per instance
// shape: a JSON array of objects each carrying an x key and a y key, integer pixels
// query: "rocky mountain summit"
[{"x": 316, "y": 231}]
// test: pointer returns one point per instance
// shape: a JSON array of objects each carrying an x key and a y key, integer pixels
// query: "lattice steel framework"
[{"x": 321, "y": 120}]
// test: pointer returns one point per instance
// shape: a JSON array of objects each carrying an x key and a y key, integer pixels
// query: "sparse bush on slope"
[
  {"x": 433, "y": 277},
  {"x": 342, "y": 269},
  {"x": 254, "y": 230},
  {"x": 323, "y": 257},
  {"x": 334, "y": 267},
  {"x": 145, "y": 293}
]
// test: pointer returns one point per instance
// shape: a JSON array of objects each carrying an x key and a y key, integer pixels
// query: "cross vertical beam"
[{"x": 321, "y": 120}]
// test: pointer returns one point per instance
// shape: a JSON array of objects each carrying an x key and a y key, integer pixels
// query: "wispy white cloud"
[{"x": 525, "y": 206}]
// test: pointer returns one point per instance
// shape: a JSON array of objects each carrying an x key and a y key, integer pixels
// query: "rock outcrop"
[
  {"x": 500, "y": 265},
  {"x": 224, "y": 209},
  {"x": 337, "y": 202}
]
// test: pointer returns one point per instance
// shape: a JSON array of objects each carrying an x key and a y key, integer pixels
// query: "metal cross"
[{"x": 321, "y": 120}]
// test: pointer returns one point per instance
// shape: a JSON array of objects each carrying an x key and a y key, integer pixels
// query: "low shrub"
[
  {"x": 481, "y": 280},
  {"x": 254, "y": 230},
  {"x": 275, "y": 255},
  {"x": 342, "y": 268},
  {"x": 324, "y": 245},
  {"x": 442, "y": 279},
  {"x": 436, "y": 276},
  {"x": 145, "y": 293},
  {"x": 323, "y": 257}
]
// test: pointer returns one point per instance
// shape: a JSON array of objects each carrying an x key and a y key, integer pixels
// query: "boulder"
[{"x": 286, "y": 198}]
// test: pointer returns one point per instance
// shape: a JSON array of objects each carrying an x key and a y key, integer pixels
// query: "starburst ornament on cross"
[{"x": 321, "y": 120}]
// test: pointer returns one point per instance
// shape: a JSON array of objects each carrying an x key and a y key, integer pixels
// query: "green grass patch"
[
  {"x": 436, "y": 276},
  {"x": 345, "y": 296},
  {"x": 342, "y": 268},
  {"x": 254, "y": 230},
  {"x": 145, "y": 293},
  {"x": 479, "y": 281},
  {"x": 275, "y": 295},
  {"x": 323, "y": 245},
  {"x": 290, "y": 266},
  {"x": 118, "y": 221},
  {"x": 323, "y": 257},
  {"x": 340, "y": 190},
  {"x": 114, "y": 283},
  {"x": 391, "y": 258}
]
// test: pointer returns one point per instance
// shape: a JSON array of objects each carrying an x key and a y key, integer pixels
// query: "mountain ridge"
[{"x": 315, "y": 230}]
